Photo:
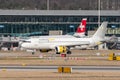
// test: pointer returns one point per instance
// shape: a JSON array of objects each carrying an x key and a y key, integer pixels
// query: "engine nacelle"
[
  {"x": 60, "y": 49},
  {"x": 44, "y": 50}
]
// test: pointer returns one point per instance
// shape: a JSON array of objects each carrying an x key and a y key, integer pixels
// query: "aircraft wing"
[{"x": 70, "y": 44}]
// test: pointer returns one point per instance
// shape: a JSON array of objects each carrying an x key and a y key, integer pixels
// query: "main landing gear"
[
  {"x": 33, "y": 53},
  {"x": 69, "y": 52}
]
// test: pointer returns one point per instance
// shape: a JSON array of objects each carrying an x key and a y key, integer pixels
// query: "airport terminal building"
[
  {"x": 25, "y": 23},
  {"x": 39, "y": 22}
]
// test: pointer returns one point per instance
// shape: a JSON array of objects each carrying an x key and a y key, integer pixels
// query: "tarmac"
[{"x": 85, "y": 64}]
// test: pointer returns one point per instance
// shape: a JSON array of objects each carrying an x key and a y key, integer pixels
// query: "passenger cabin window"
[{"x": 43, "y": 40}]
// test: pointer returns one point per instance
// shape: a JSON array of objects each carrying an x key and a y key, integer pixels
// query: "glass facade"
[{"x": 16, "y": 25}]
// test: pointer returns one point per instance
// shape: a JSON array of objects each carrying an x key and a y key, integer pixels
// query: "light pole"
[
  {"x": 98, "y": 13},
  {"x": 48, "y": 4}
]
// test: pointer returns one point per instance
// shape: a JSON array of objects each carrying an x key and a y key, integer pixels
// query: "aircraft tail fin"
[
  {"x": 100, "y": 33},
  {"x": 81, "y": 29}
]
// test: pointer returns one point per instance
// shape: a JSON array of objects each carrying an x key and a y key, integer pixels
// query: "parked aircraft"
[
  {"x": 80, "y": 32},
  {"x": 62, "y": 45}
]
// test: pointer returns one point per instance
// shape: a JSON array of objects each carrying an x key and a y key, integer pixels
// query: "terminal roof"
[{"x": 61, "y": 12}]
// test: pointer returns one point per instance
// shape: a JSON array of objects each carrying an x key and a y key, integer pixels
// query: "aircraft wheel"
[
  {"x": 57, "y": 53},
  {"x": 33, "y": 53},
  {"x": 69, "y": 52}
]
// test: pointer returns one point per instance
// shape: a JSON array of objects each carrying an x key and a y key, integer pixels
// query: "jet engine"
[
  {"x": 44, "y": 50},
  {"x": 60, "y": 49}
]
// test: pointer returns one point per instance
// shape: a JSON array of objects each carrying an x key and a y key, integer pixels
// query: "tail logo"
[{"x": 82, "y": 27}]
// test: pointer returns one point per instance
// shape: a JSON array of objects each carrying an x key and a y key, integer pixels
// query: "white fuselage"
[{"x": 51, "y": 43}]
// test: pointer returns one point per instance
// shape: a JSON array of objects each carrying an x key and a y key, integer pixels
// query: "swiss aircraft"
[
  {"x": 80, "y": 32},
  {"x": 62, "y": 45}
]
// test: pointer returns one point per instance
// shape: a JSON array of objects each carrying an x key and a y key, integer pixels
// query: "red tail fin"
[{"x": 82, "y": 27}]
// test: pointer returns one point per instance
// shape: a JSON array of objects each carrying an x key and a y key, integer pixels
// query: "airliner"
[{"x": 62, "y": 45}]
